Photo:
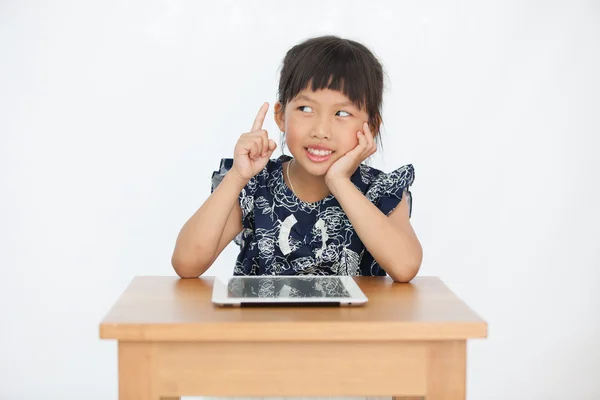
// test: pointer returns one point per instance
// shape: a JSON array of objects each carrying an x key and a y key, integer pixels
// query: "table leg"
[
  {"x": 447, "y": 369},
  {"x": 135, "y": 371}
]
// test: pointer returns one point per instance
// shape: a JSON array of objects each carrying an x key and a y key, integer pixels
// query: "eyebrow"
[{"x": 344, "y": 103}]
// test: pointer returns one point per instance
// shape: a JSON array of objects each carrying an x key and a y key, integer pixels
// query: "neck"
[{"x": 307, "y": 187}]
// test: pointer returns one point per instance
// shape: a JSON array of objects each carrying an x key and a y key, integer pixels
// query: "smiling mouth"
[
  {"x": 318, "y": 155},
  {"x": 319, "y": 152}
]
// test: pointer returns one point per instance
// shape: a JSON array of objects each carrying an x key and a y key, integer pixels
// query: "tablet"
[{"x": 271, "y": 291}]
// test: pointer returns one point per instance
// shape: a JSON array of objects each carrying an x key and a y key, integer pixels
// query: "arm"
[
  {"x": 391, "y": 239},
  {"x": 219, "y": 220},
  {"x": 209, "y": 230}
]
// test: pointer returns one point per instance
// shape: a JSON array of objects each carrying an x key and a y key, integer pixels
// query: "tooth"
[{"x": 319, "y": 152}]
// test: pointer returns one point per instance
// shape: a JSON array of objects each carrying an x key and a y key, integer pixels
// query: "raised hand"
[
  {"x": 253, "y": 149},
  {"x": 345, "y": 166}
]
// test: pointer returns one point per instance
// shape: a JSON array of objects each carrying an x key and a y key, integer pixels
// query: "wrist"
[
  {"x": 234, "y": 179},
  {"x": 337, "y": 184}
]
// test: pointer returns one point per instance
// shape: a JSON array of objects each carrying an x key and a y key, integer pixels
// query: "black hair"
[{"x": 331, "y": 62}]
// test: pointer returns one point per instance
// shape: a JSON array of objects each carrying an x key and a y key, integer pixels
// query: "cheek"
[
  {"x": 347, "y": 139},
  {"x": 293, "y": 139},
  {"x": 293, "y": 131}
]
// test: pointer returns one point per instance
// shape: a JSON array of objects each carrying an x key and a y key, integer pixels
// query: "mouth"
[{"x": 318, "y": 154}]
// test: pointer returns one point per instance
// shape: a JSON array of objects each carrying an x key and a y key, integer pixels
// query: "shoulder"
[
  {"x": 385, "y": 189},
  {"x": 370, "y": 178},
  {"x": 263, "y": 178}
]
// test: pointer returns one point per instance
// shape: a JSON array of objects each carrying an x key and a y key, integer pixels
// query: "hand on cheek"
[{"x": 344, "y": 167}]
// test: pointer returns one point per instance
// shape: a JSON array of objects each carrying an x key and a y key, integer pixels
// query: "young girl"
[{"x": 320, "y": 211}]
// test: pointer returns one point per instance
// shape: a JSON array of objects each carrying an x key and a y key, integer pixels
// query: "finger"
[
  {"x": 265, "y": 142},
  {"x": 356, "y": 154},
  {"x": 272, "y": 146},
  {"x": 259, "y": 146},
  {"x": 253, "y": 153},
  {"x": 371, "y": 146},
  {"x": 260, "y": 117},
  {"x": 365, "y": 146},
  {"x": 368, "y": 134},
  {"x": 359, "y": 148},
  {"x": 362, "y": 141}
]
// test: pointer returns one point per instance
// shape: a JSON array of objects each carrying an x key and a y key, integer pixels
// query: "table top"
[{"x": 160, "y": 308}]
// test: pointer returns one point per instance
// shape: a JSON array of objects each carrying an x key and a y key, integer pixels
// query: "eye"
[
  {"x": 345, "y": 112},
  {"x": 302, "y": 108}
]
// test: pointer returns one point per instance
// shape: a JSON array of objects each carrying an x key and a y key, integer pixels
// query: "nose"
[{"x": 322, "y": 129}]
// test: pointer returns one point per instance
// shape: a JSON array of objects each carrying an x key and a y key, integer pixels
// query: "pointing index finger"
[{"x": 260, "y": 117}]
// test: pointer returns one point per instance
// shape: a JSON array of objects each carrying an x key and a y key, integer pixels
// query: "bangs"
[
  {"x": 333, "y": 63},
  {"x": 337, "y": 69}
]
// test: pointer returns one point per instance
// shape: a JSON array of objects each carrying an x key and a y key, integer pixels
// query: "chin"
[{"x": 316, "y": 170}]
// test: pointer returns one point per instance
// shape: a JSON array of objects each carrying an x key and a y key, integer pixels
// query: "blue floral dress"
[{"x": 283, "y": 235}]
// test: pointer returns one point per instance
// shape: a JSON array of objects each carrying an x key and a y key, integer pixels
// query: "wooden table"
[{"x": 408, "y": 340}]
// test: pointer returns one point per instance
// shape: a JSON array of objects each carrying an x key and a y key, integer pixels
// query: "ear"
[{"x": 279, "y": 115}]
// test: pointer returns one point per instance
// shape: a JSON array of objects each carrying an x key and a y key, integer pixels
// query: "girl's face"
[{"x": 320, "y": 127}]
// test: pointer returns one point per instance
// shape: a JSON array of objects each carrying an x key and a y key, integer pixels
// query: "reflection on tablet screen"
[{"x": 281, "y": 287}]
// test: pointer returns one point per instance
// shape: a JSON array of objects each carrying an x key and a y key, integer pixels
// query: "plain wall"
[{"x": 113, "y": 115}]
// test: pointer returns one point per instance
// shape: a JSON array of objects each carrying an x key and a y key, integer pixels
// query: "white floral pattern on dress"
[{"x": 321, "y": 239}]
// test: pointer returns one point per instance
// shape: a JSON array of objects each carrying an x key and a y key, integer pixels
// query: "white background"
[{"x": 113, "y": 115}]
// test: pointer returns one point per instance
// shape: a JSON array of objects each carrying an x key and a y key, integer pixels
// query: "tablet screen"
[{"x": 282, "y": 287}]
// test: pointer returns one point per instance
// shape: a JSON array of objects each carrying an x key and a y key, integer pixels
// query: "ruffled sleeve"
[
  {"x": 217, "y": 176},
  {"x": 246, "y": 199},
  {"x": 386, "y": 190}
]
